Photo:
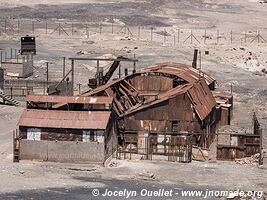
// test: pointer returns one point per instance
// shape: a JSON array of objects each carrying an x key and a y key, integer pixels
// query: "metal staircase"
[{"x": 8, "y": 99}]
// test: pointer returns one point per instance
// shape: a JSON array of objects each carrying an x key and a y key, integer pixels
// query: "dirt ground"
[{"x": 238, "y": 64}]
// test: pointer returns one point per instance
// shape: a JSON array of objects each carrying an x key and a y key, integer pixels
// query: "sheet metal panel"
[
  {"x": 65, "y": 119},
  {"x": 183, "y": 71},
  {"x": 202, "y": 99}
]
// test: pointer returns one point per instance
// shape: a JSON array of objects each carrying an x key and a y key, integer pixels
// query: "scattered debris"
[
  {"x": 113, "y": 164},
  {"x": 146, "y": 175},
  {"x": 200, "y": 154},
  {"x": 253, "y": 160},
  {"x": 82, "y": 169}
]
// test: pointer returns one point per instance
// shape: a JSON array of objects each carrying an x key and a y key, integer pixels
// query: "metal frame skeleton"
[{"x": 119, "y": 59}]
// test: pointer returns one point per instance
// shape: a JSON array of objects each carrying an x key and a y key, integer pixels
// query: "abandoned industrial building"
[{"x": 158, "y": 110}]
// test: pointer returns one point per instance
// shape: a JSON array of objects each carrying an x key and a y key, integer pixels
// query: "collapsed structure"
[
  {"x": 168, "y": 99},
  {"x": 163, "y": 109}
]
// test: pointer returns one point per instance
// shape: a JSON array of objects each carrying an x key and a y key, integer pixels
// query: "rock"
[
  {"x": 146, "y": 175},
  {"x": 21, "y": 172}
]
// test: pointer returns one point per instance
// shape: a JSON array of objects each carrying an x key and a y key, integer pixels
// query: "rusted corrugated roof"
[
  {"x": 69, "y": 99},
  {"x": 183, "y": 71},
  {"x": 222, "y": 97},
  {"x": 161, "y": 97},
  {"x": 64, "y": 119},
  {"x": 202, "y": 99},
  {"x": 198, "y": 93},
  {"x": 102, "y": 87},
  {"x": 220, "y": 94}
]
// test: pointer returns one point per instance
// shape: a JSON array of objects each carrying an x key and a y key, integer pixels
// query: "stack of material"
[
  {"x": 253, "y": 160},
  {"x": 200, "y": 154}
]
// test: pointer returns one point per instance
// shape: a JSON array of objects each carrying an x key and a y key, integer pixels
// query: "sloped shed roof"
[{"x": 64, "y": 119}]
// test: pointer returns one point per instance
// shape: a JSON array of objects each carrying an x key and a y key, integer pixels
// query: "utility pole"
[
  {"x": 72, "y": 75},
  {"x": 47, "y": 74},
  {"x": 134, "y": 66},
  {"x": 64, "y": 66},
  {"x": 97, "y": 72}
]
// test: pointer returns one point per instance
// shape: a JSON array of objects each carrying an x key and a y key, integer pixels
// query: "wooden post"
[
  {"x": 245, "y": 37},
  {"x": 64, "y": 66},
  {"x": 72, "y": 75},
  {"x": 130, "y": 151},
  {"x": 139, "y": 29},
  {"x": 119, "y": 70},
  {"x": 59, "y": 29},
  {"x": 44, "y": 88},
  {"x": 112, "y": 26},
  {"x": 79, "y": 88},
  {"x": 191, "y": 37},
  {"x": 218, "y": 37},
  {"x": 47, "y": 74},
  {"x": 5, "y": 26},
  {"x": 231, "y": 36},
  {"x": 18, "y": 27},
  {"x": 205, "y": 36},
  {"x": 33, "y": 27},
  {"x": 100, "y": 28},
  {"x": 178, "y": 36},
  {"x": 11, "y": 92},
  {"x": 258, "y": 35},
  {"x": 97, "y": 72},
  {"x": 46, "y": 27},
  {"x": 87, "y": 32},
  {"x": 72, "y": 29},
  {"x": 151, "y": 36},
  {"x": 134, "y": 66}
]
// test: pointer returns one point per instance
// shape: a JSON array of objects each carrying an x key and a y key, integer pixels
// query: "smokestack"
[{"x": 194, "y": 64}]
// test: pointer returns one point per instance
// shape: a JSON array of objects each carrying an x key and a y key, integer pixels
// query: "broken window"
[
  {"x": 93, "y": 136},
  {"x": 33, "y": 134}
]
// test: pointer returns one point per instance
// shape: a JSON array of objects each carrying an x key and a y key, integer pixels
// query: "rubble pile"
[{"x": 253, "y": 160}]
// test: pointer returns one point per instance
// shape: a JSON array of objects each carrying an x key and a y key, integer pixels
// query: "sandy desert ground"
[{"x": 238, "y": 64}]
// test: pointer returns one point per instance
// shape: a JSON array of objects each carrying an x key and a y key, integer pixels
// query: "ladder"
[{"x": 8, "y": 99}]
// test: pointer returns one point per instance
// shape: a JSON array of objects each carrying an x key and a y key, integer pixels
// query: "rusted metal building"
[
  {"x": 187, "y": 109},
  {"x": 224, "y": 107},
  {"x": 163, "y": 109},
  {"x": 242, "y": 144},
  {"x": 165, "y": 99},
  {"x": 85, "y": 132}
]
